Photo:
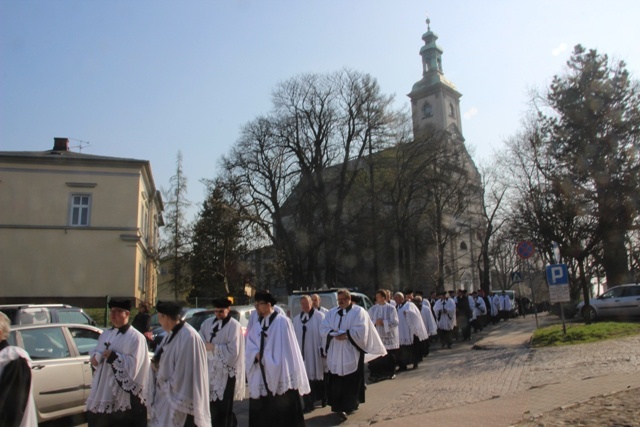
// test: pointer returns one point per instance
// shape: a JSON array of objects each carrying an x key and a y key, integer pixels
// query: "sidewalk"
[{"x": 525, "y": 404}]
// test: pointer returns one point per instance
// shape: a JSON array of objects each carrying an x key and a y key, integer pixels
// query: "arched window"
[
  {"x": 452, "y": 111},
  {"x": 463, "y": 246},
  {"x": 427, "y": 111}
]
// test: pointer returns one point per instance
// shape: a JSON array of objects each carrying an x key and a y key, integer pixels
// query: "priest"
[
  {"x": 411, "y": 330},
  {"x": 121, "y": 362},
  {"x": 17, "y": 407},
  {"x": 352, "y": 340},
  {"x": 307, "y": 328},
  {"x": 179, "y": 391},
  {"x": 224, "y": 342},
  {"x": 385, "y": 318},
  {"x": 275, "y": 370},
  {"x": 445, "y": 314}
]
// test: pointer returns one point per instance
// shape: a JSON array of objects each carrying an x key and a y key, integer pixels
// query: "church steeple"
[
  {"x": 435, "y": 101},
  {"x": 431, "y": 53}
]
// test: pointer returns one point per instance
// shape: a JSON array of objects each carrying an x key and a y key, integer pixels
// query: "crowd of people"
[{"x": 287, "y": 365}]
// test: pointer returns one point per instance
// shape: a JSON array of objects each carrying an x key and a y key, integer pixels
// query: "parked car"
[
  {"x": 61, "y": 370},
  {"x": 239, "y": 312},
  {"x": 155, "y": 334},
  {"x": 619, "y": 301},
  {"x": 328, "y": 300},
  {"x": 26, "y": 314}
]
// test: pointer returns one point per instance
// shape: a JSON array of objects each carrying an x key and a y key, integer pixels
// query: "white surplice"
[
  {"x": 313, "y": 343},
  {"x": 410, "y": 323},
  {"x": 478, "y": 306},
  {"x": 227, "y": 358},
  {"x": 342, "y": 355},
  {"x": 10, "y": 356},
  {"x": 388, "y": 331},
  {"x": 181, "y": 385},
  {"x": 112, "y": 383},
  {"x": 445, "y": 313},
  {"x": 428, "y": 319},
  {"x": 496, "y": 304},
  {"x": 281, "y": 358}
]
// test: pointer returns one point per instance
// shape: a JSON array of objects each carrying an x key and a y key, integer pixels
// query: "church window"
[
  {"x": 463, "y": 246},
  {"x": 427, "y": 111},
  {"x": 452, "y": 111}
]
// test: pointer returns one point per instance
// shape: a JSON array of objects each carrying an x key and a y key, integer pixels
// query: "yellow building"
[{"x": 75, "y": 228}]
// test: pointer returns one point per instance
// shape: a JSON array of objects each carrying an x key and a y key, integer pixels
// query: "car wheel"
[{"x": 589, "y": 313}]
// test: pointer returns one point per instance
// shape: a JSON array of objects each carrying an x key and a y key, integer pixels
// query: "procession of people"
[{"x": 286, "y": 366}]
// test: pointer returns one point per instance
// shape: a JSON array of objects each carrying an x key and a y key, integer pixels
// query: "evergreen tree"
[
  {"x": 216, "y": 248},
  {"x": 175, "y": 243}
]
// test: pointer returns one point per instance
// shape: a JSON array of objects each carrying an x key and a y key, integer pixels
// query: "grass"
[{"x": 578, "y": 333}]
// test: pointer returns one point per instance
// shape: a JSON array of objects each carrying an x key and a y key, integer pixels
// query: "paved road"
[{"x": 496, "y": 379}]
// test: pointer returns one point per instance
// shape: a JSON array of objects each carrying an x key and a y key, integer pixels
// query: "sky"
[{"x": 145, "y": 79}]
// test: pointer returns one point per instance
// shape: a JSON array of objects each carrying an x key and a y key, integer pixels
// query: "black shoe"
[
  {"x": 343, "y": 415},
  {"x": 401, "y": 369},
  {"x": 324, "y": 403},
  {"x": 308, "y": 409}
]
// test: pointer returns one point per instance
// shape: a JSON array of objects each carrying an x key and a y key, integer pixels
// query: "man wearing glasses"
[
  {"x": 223, "y": 339},
  {"x": 121, "y": 362},
  {"x": 350, "y": 335}
]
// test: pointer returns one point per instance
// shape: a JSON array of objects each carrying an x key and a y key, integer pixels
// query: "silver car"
[
  {"x": 61, "y": 369},
  {"x": 619, "y": 301}
]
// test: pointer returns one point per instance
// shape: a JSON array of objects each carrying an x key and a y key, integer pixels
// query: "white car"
[
  {"x": 328, "y": 300},
  {"x": 619, "y": 301},
  {"x": 60, "y": 367}
]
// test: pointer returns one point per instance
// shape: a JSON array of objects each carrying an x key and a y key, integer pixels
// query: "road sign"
[
  {"x": 525, "y": 249},
  {"x": 516, "y": 277},
  {"x": 558, "y": 280}
]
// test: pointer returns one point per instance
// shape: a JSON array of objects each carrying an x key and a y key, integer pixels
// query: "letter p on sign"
[{"x": 557, "y": 274}]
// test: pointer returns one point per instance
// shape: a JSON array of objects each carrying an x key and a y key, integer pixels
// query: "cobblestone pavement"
[
  {"x": 619, "y": 409},
  {"x": 475, "y": 376}
]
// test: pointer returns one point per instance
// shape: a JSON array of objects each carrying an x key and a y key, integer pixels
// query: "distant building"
[{"x": 75, "y": 227}]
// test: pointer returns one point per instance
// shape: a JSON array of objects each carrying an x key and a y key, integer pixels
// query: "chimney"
[{"x": 61, "y": 144}]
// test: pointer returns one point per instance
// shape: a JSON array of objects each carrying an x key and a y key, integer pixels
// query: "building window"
[
  {"x": 463, "y": 246},
  {"x": 427, "y": 111},
  {"x": 80, "y": 210},
  {"x": 452, "y": 111}
]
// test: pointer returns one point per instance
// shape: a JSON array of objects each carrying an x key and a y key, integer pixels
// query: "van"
[
  {"x": 328, "y": 300},
  {"x": 37, "y": 314}
]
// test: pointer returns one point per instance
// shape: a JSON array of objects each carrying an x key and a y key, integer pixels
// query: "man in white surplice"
[
  {"x": 352, "y": 340},
  {"x": 496, "y": 306},
  {"x": 385, "y": 318},
  {"x": 445, "y": 314},
  {"x": 179, "y": 391},
  {"x": 275, "y": 370},
  {"x": 506, "y": 306},
  {"x": 121, "y": 362},
  {"x": 307, "y": 328},
  {"x": 411, "y": 331},
  {"x": 224, "y": 341}
]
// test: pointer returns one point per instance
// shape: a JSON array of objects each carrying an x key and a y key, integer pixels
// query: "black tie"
[
  {"x": 304, "y": 321},
  {"x": 263, "y": 335},
  {"x": 216, "y": 328}
]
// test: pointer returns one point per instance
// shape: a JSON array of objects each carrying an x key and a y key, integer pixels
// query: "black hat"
[
  {"x": 221, "y": 303},
  {"x": 168, "y": 308},
  {"x": 266, "y": 297},
  {"x": 124, "y": 304},
  {"x": 408, "y": 291}
]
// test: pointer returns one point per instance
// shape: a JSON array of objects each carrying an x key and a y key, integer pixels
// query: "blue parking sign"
[{"x": 557, "y": 274}]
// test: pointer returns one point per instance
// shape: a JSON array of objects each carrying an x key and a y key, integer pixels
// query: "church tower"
[{"x": 435, "y": 102}]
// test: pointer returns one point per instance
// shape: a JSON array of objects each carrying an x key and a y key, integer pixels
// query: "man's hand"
[
  {"x": 341, "y": 337},
  {"x": 379, "y": 322},
  {"x": 209, "y": 346}
]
